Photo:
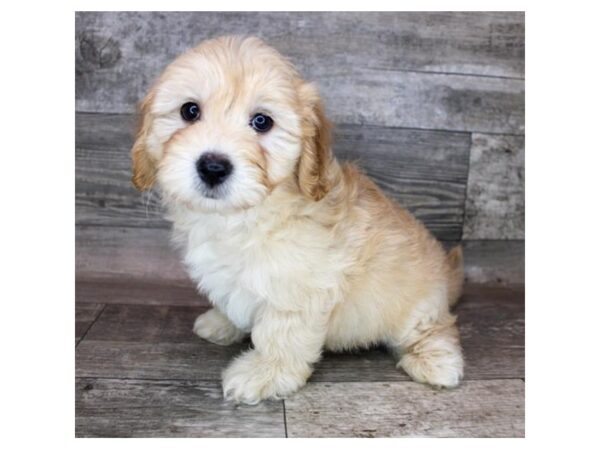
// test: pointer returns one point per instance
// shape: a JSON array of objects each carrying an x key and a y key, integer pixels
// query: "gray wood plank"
[
  {"x": 482, "y": 363},
  {"x": 139, "y": 292},
  {"x": 104, "y": 193},
  {"x": 119, "y": 54},
  {"x": 136, "y": 408},
  {"x": 487, "y": 316},
  {"x": 156, "y": 342},
  {"x": 495, "y": 205},
  {"x": 481, "y": 43},
  {"x": 424, "y": 101},
  {"x": 493, "y": 408},
  {"x": 154, "y": 361},
  {"x": 115, "y": 254},
  {"x": 141, "y": 257},
  {"x": 145, "y": 323},
  {"x": 205, "y": 361},
  {"x": 426, "y": 171},
  {"x": 494, "y": 262},
  {"x": 491, "y": 316},
  {"x": 85, "y": 315}
]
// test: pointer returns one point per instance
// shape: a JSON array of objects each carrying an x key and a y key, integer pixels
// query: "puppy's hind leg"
[
  {"x": 215, "y": 327},
  {"x": 432, "y": 354}
]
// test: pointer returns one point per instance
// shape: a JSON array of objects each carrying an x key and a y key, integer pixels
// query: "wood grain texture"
[
  {"x": 426, "y": 171},
  {"x": 136, "y": 408},
  {"x": 426, "y": 101},
  {"x": 119, "y": 54},
  {"x": 154, "y": 361},
  {"x": 495, "y": 205},
  {"x": 145, "y": 323},
  {"x": 493, "y": 408},
  {"x": 387, "y": 80},
  {"x": 139, "y": 292},
  {"x": 131, "y": 260},
  {"x": 104, "y": 192},
  {"x": 494, "y": 262},
  {"x": 114, "y": 254},
  {"x": 205, "y": 361},
  {"x": 157, "y": 342},
  {"x": 492, "y": 316},
  {"x": 85, "y": 315},
  {"x": 141, "y": 372}
]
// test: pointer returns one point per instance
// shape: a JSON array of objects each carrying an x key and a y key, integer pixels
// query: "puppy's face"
[{"x": 226, "y": 123}]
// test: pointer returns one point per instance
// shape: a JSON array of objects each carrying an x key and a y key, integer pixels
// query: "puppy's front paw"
[
  {"x": 215, "y": 327},
  {"x": 251, "y": 378}
]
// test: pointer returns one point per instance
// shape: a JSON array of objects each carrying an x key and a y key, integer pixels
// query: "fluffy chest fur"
[
  {"x": 244, "y": 260},
  {"x": 224, "y": 259}
]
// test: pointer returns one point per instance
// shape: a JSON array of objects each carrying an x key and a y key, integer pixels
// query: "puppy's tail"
[{"x": 455, "y": 274}]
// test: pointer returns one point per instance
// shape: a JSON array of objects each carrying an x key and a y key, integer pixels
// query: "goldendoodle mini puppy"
[{"x": 299, "y": 251}]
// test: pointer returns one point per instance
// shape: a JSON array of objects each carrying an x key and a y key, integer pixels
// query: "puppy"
[{"x": 291, "y": 247}]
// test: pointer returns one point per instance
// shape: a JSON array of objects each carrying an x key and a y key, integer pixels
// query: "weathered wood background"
[{"x": 430, "y": 105}]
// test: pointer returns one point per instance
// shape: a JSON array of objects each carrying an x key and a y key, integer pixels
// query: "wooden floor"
[{"x": 141, "y": 372}]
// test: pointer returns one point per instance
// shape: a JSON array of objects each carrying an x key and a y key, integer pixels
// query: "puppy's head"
[{"x": 226, "y": 123}]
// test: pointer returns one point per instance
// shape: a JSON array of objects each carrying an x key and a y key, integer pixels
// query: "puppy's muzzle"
[{"x": 213, "y": 169}]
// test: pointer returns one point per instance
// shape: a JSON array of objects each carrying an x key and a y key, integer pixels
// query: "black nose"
[{"x": 213, "y": 168}]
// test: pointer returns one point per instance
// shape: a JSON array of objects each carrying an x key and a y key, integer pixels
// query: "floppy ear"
[
  {"x": 143, "y": 165},
  {"x": 315, "y": 158}
]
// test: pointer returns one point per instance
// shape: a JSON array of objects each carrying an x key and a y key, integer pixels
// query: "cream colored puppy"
[{"x": 290, "y": 246}]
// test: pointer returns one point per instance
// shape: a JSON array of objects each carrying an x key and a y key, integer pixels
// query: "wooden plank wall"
[{"x": 431, "y": 105}]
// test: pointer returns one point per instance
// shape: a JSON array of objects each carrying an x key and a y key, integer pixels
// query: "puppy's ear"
[
  {"x": 313, "y": 166},
  {"x": 143, "y": 165}
]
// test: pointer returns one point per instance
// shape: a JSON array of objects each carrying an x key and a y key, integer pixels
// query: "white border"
[{"x": 38, "y": 215}]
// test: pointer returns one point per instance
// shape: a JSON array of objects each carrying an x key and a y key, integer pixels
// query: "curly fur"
[{"x": 297, "y": 250}]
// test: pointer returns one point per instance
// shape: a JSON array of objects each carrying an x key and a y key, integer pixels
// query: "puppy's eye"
[
  {"x": 261, "y": 123},
  {"x": 190, "y": 112}
]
